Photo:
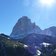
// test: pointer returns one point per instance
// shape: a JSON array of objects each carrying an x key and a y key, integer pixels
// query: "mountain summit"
[
  {"x": 23, "y": 27},
  {"x": 51, "y": 31}
]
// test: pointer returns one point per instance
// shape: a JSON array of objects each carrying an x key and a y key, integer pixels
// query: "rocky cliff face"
[{"x": 23, "y": 27}]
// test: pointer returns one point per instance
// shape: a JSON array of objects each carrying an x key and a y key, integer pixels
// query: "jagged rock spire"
[{"x": 23, "y": 27}]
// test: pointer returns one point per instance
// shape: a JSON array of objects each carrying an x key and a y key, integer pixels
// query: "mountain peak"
[
  {"x": 24, "y": 18},
  {"x": 51, "y": 31},
  {"x": 53, "y": 27},
  {"x": 23, "y": 27}
]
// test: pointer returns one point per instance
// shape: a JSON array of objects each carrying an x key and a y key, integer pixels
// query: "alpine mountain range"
[
  {"x": 28, "y": 39},
  {"x": 24, "y": 26}
]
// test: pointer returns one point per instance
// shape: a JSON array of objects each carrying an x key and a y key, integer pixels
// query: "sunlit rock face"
[
  {"x": 23, "y": 27},
  {"x": 50, "y": 31}
]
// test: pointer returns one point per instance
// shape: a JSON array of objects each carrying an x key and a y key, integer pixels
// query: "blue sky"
[{"x": 12, "y": 10}]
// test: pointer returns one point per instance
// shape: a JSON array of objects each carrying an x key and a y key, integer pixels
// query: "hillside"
[{"x": 10, "y": 47}]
